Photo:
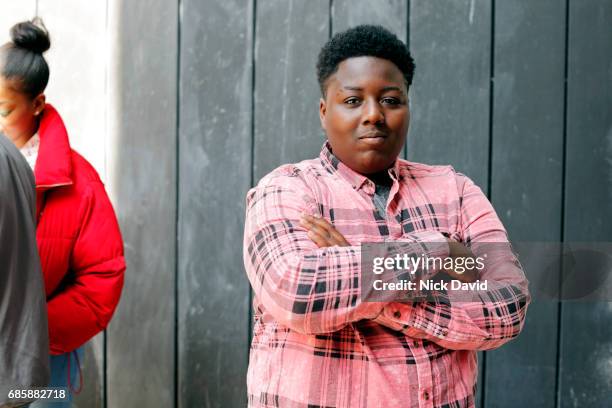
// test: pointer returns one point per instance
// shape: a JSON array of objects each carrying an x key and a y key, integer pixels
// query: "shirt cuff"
[{"x": 396, "y": 316}]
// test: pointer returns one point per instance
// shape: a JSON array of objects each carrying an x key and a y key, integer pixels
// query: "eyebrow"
[
  {"x": 392, "y": 88},
  {"x": 385, "y": 89}
]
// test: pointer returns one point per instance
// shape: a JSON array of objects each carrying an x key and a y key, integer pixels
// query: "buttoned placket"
[
  {"x": 423, "y": 364},
  {"x": 395, "y": 226},
  {"x": 424, "y": 375}
]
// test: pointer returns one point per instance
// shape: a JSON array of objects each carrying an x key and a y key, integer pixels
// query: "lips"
[
  {"x": 373, "y": 135},
  {"x": 373, "y": 138}
]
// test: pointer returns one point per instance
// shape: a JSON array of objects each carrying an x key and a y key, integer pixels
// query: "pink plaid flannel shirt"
[{"x": 316, "y": 343}]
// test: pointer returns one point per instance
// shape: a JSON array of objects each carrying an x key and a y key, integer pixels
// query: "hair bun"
[{"x": 31, "y": 35}]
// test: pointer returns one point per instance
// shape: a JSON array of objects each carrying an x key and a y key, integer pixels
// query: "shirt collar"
[
  {"x": 54, "y": 164},
  {"x": 357, "y": 180}
]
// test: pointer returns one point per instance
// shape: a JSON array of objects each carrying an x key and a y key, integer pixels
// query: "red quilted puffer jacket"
[{"x": 79, "y": 241}]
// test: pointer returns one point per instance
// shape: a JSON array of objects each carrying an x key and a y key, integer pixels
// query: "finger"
[
  {"x": 458, "y": 249},
  {"x": 308, "y": 221},
  {"x": 319, "y": 240},
  {"x": 337, "y": 237},
  {"x": 333, "y": 236},
  {"x": 316, "y": 234},
  {"x": 341, "y": 240},
  {"x": 304, "y": 222},
  {"x": 466, "y": 276},
  {"x": 311, "y": 224},
  {"x": 322, "y": 223},
  {"x": 321, "y": 231},
  {"x": 471, "y": 276}
]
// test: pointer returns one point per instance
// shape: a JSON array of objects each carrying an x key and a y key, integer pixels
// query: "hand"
[
  {"x": 458, "y": 250},
  {"x": 322, "y": 232}
]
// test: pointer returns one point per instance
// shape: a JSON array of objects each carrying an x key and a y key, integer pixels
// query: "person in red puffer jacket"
[{"x": 78, "y": 235}]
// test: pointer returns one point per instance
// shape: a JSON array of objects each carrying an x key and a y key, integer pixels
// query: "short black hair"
[
  {"x": 362, "y": 41},
  {"x": 21, "y": 59}
]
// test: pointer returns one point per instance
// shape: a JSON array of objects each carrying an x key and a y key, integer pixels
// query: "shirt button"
[
  {"x": 397, "y": 314},
  {"x": 425, "y": 395},
  {"x": 415, "y": 343}
]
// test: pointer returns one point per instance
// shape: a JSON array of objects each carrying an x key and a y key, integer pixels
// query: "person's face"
[
  {"x": 18, "y": 112},
  {"x": 365, "y": 113}
]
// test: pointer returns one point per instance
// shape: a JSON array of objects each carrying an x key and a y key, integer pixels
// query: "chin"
[
  {"x": 374, "y": 163},
  {"x": 372, "y": 167}
]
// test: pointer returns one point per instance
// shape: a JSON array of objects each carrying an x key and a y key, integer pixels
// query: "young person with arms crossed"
[
  {"x": 79, "y": 241},
  {"x": 316, "y": 343}
]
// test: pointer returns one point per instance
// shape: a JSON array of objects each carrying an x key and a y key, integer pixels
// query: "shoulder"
[
  {"x": 298, "y": 176},
  {"x": 86, "y": 184},
  {"x": 438, "y": 176},
  {"x": 422, "y": 170},
  {"x": 294, "y": 182},
  {"x": 82, "y": 171}
]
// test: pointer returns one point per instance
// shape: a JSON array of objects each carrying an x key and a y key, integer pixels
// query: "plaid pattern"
[{"x": 315, "y": 343}]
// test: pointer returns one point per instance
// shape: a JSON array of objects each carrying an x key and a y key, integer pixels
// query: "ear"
[
  {"x": 39, "y": 104},
  {"x": 322, "y": 112}
]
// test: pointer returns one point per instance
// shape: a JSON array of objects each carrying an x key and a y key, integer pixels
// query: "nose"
[{"x": 372, "y": 113}]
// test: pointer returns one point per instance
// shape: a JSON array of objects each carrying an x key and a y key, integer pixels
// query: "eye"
[
  {"x": 351, "y": 101},
  {"x": 4, "y": 114},
  {"x": 391, "y": 101}
]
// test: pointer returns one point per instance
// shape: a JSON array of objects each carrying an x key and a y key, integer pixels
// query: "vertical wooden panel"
[
  {"x": 77, "y": 56},
  {"x": 142, "y": 178},
  {"x": 14, "y": 12},
  {"x": 391, "y": 14},
  {"x": 450, "y": 41},
  {"x": 586, "y": 333},
  {"x": 77, "y": 61},
  {"x": 526, "y": 180},
  {"x": 289, "y": 37},
  {"x": 215, "y": 173}
]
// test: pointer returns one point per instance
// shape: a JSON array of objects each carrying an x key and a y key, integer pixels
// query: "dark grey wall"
[{"x": 517, "y": 94}]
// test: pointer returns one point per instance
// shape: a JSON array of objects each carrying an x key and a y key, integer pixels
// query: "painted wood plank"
[
  {"x": 450, "y": 41},
  {"x": 142, "y": 181},
  {"x": 391, "y": 14},
  {"x": 526, "y": 181},
  {"x": 586, "y": 345},
  {"x": 288, "y": 39},
  {"x": 215, "y": 173}
]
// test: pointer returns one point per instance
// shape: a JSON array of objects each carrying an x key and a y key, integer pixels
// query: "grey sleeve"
[{"x": 24, "y": 343}]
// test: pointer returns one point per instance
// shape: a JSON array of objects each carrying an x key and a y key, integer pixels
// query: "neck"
[
  {"x": 381, "y": 178},
  {"x": 21, "y": 140}
]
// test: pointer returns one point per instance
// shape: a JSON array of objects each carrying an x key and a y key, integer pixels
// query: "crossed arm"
[{"x": 307, "y": 276}]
